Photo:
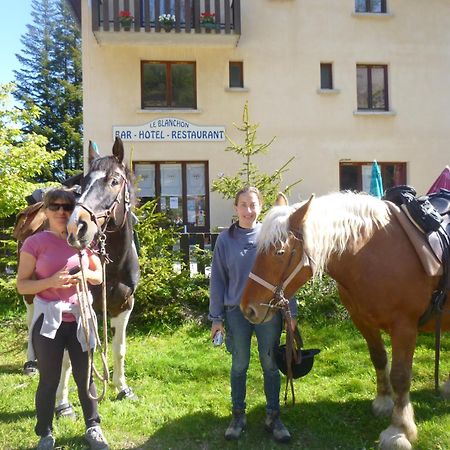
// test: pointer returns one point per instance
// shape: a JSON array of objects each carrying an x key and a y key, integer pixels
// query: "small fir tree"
[{"x": 249, "y": 175}]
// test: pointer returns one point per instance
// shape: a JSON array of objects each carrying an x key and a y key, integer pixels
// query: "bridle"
[
  {"x": 279, "y": 301},
  {"x": 106, "y": 214}
]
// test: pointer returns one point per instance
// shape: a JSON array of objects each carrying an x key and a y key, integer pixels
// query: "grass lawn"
[{"x": 183, "y": 388}]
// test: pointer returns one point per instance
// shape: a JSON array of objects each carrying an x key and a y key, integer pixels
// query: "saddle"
[{"x": 426, "y": 221}]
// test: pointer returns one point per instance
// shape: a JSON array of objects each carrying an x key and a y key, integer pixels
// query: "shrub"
[
  {"x": 318, "y": 302},
  {"x": 166, "y": 294}
]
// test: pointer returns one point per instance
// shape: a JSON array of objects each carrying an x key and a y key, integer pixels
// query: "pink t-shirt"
[{"x": 52, "y": 254}]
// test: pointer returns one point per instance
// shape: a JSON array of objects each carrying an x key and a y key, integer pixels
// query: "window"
[
  {"x": 326, "y": 76},
  {"x": 372, "y": 87},
  {"x": 168, "y": 85},
  {"x": 355, "y": 176},
  {"x": 370, "y": 6},
  {"x": 181, "y": 189},
  {"x": 236, "y": 74}
]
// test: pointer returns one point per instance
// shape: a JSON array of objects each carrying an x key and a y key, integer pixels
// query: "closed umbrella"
[
  {"x": 376, "y": 182},
  {"x": 442, "y": 181}
]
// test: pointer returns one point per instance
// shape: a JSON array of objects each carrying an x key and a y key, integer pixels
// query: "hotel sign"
[{"x": 169, "y": 130}]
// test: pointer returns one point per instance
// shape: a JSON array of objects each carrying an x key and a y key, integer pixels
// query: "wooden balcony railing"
[{"x": 227, "y": 14}]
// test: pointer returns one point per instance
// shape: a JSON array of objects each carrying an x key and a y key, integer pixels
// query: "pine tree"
[
  {"x": 50, "y": 78},
  {"x": 249, "y": 175}
]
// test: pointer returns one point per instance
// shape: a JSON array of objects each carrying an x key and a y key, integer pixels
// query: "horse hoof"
[
  {"x": 30, "y": 368},
  {"x": 127, "y": 394},
  {"x": 393, "y": 438},
  {"x": 65, "y": 410}
]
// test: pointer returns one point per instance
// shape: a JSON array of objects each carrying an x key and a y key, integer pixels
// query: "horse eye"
[
  {"x": 114, "y": 182},
  {"x": 279, "y": 252}
]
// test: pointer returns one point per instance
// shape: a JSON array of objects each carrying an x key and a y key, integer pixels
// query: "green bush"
[
  {"x": 167, "y": 294},
  {"x": 318, "y": 301}
]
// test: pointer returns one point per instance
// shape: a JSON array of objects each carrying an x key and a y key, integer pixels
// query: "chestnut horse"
[{"x": 380, "y": 279}]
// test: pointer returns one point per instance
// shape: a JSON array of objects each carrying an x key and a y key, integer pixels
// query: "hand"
[
  {"x": 215, "y": 327},
  {"x": 62, "y": 279}
]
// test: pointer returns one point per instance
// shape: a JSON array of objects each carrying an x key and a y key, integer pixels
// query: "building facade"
[{"x": 340, "y": 83}]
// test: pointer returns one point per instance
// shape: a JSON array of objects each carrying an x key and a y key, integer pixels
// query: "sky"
[{"x": 11, "y": 31}]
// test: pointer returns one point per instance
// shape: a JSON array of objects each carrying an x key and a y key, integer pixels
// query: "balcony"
[{"x": 187, "y": 29}]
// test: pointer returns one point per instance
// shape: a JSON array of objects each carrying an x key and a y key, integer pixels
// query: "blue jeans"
[{"x": 238, "y": 340}]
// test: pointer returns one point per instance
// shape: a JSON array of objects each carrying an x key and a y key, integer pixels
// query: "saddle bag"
[{"x": 419, "y": 209}]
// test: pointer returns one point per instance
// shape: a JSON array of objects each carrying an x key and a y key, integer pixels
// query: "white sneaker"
[{"x": 96, "y": 440}]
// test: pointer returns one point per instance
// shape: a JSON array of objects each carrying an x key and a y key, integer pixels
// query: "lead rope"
[{"x": 86, "y": 314}]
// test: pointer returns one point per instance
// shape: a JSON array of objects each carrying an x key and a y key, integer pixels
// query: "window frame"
[
  {"x": 240, "y": 65},
  {"x": 369, "y": 68},
  {"x": 189, "y": 227},
  {"x": 169, "y": 84},
  {"x": 384, "y": 167},
  {"x": 330, "y": 66},
  {"x": 369, "y": 7}
]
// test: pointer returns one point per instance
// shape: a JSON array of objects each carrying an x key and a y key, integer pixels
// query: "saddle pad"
[{"x": 430, "y": 263}]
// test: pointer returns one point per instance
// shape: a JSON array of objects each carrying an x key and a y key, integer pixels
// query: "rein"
[{"x": 86, "y": 313}]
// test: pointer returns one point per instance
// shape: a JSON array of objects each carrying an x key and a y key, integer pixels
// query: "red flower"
[{"x": 125, "y": 14}]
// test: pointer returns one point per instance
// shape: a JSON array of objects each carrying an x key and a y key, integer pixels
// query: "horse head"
[
  {"x": 281, "y": 265},
  {"x": 105, "y": 198}
]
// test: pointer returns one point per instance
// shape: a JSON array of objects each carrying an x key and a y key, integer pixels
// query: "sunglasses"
[{"x": 65, "y": 206}]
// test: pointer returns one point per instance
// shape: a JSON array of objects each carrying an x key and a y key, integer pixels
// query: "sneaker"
[
  {"x": 274, "y": 425},
  {"x": 46, "y": 443},
  {"x": 96, "y": 440},
  {"x": 30, "y": 368},
  {"x": 237, "y": 425}
]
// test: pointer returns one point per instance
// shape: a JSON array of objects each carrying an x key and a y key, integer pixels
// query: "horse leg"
[
  {"x": 383, "y": 403},
  {"x": 119, "y": 326},
  {"x": 63, "y": 407},
  {"x": 30, "y": 366},
  {"x": 402, "y": 430}
]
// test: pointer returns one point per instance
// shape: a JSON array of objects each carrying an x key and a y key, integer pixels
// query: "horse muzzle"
[{"x": 81, "y": 230}]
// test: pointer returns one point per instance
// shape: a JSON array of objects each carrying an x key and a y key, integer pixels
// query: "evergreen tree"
[
  {"x": 249, "y": 175},
  {"x": 50, "y": 78}
]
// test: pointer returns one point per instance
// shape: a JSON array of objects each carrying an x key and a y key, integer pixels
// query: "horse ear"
[
  {"x": 298, "y": 217},
  {"x": 118, "y": 149},
  {"x": 93, "y": 151},
  {"x": 281, "y": 200}
]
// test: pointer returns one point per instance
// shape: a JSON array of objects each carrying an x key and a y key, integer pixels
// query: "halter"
[
  {"x": 107, "y": 213},
  {"x": 279, "y": 300}
]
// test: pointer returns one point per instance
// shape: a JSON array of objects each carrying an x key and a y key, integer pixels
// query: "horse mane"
[
  {"x": 108, "y": 164},
  {"x": 333, "y": 223}
]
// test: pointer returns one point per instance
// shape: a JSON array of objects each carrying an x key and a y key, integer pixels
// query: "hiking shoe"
[
  {"x": 237, "y": 425},
  {"x": 46, "y": 443},
  {"x": 96, "y": 440},
  {"x": 274, "y": 425}
]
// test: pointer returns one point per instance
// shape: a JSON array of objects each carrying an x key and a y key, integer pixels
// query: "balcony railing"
[{"x": 227, "y": 14}]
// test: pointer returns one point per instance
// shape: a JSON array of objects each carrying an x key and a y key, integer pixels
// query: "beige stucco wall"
[{"x": 282, "y": 45}]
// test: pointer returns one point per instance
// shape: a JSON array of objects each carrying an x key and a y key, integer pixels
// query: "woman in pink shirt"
[{"x": 46, "y": 260}]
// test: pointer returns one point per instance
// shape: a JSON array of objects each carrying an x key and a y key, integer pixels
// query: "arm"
[{"x": 25, "y": 274}]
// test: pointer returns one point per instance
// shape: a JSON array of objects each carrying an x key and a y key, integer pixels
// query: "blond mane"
[{"x": 334, "y": 223}]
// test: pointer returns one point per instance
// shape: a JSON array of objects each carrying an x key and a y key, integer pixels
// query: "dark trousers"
[{"x": 49, "y": 353}]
